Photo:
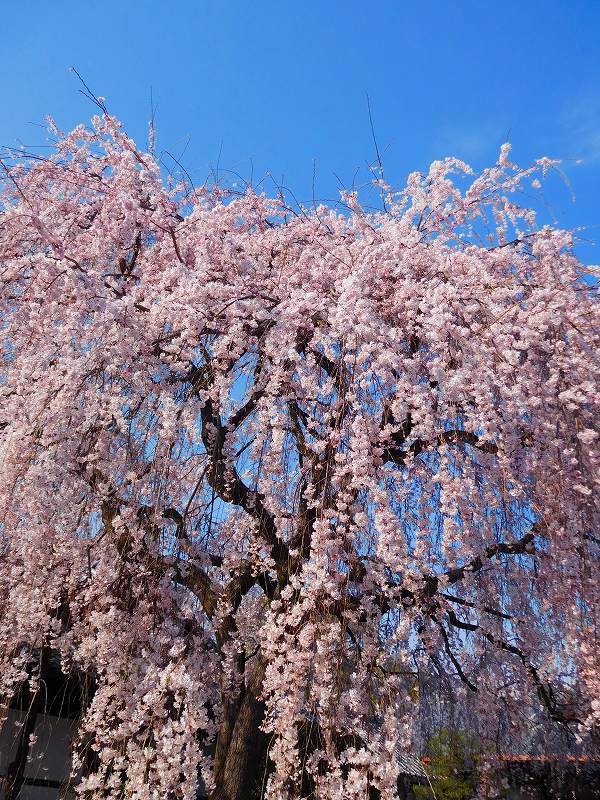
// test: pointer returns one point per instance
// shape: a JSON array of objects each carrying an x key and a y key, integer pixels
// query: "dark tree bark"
[{"x": 242, "y": 746}]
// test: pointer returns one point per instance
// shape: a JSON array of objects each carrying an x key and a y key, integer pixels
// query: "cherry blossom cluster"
[{"x": 262, "y": 467}]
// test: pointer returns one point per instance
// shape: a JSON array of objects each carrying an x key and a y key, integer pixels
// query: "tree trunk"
[{"x": 242, "y": 746}]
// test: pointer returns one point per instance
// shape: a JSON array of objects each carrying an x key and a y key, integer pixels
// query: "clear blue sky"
[{"x": 278, "y": 85}]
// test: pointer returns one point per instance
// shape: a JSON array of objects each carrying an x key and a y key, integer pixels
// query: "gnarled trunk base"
[{"x": 242, "y": 746}]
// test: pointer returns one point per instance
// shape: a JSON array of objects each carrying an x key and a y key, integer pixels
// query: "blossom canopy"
[{"x": 262, "y": 467}]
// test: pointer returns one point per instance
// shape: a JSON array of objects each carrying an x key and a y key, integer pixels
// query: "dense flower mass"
[{"x": 262, "y": 468}]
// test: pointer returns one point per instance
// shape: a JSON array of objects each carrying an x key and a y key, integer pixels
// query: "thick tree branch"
[
  {"x": 396, "y": 452},
  {"x": 544, "y": 690},
  {"x": 523, "y": 546},
  {"x": 452, "y": 657},
  {"x": 461, "y": 601},
  {"x": 224, "y": 479}
]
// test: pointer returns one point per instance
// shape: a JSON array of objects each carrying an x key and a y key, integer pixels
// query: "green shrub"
[{"x": 451, "y": 768}]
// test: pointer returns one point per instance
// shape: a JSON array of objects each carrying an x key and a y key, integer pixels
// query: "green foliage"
[{"x": 451, "y": 768}]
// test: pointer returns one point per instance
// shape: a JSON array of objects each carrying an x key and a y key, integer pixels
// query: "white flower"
[
  {"x": 587, "y": 435},
  {"x": 582, "y": 489}
]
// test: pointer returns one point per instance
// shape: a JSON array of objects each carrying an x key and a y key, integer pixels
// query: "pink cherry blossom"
[{"x": 264, "y": 472}]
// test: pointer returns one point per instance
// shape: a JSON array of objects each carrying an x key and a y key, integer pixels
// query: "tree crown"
[{"x": 272, "y": 464}]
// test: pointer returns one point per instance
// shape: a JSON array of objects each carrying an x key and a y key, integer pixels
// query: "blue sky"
[{"x": 275, "y": 87}]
